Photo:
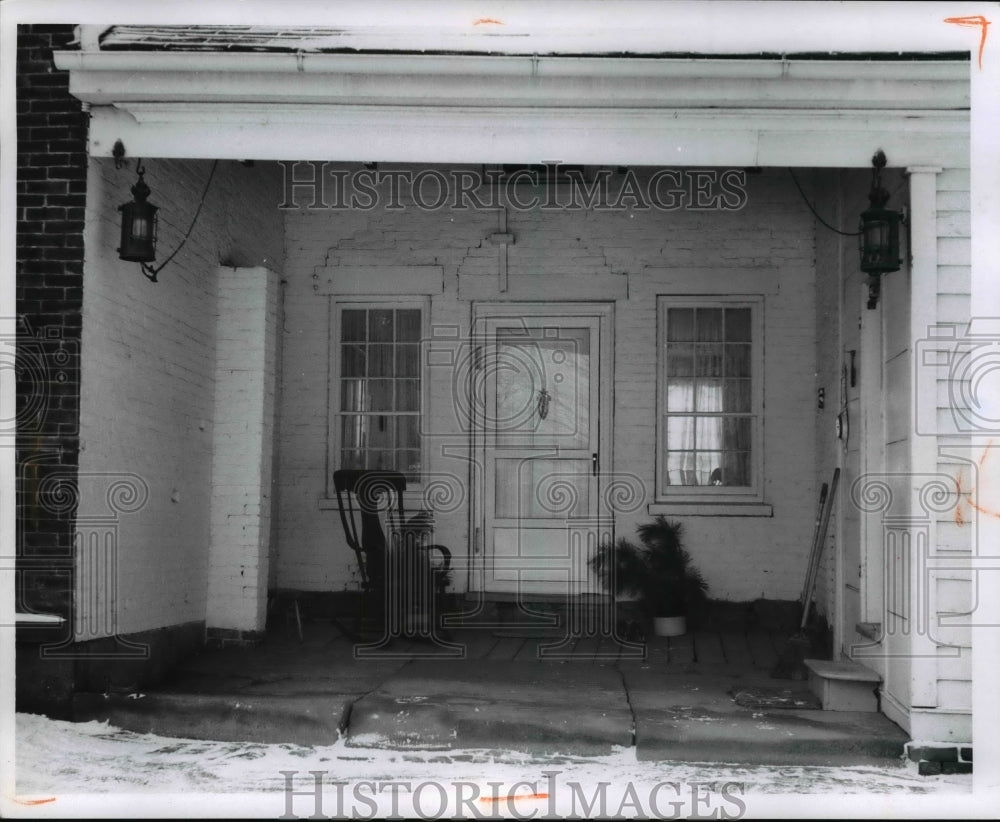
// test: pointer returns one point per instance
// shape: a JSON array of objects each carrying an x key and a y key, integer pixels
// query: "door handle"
[{"x": 595, "y": 463}]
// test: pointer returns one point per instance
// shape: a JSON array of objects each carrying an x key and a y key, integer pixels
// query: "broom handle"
[
  {"x": 812, "y": 548},
  {"x": 814, "y": 570}
]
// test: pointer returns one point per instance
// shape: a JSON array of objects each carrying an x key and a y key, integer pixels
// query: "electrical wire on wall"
[{"x": 149, "y": 271}]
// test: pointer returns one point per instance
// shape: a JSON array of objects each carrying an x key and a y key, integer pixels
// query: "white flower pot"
[{"x": 670, "y": 626}]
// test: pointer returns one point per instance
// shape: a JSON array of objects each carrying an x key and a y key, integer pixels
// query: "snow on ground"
[{"x": 72, "y": 762}]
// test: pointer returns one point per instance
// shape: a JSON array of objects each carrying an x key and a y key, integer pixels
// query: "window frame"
[
  {"x": 754, "y": 493},
  {"x": 334, "y": 414}
]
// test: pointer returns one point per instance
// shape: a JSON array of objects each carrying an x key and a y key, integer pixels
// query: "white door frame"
[{"x": 603, "y": 312}]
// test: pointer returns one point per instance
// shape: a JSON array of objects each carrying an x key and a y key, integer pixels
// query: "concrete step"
[
  {"x": 694, "y": 718},
  {"x": 556, "y": 708},
  {"x": 843, "y": 685},
  {"x": 302, "y": 719}
]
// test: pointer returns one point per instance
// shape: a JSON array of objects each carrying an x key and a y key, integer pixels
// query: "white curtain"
[{"x": 689, "y": 438}]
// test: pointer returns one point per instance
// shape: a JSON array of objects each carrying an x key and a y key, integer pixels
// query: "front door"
[{"x": 543, "y": 434}]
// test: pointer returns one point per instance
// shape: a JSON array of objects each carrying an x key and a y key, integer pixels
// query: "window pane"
[
  {"x": 680, "y": 324},
  {"x": 352, "y": 324},
  {"x": 680, "y": 468},
  {"x": 737, "y": 432},
  {"x": 708, "y": 360},
  {"x": 352, "y": 430},
  {"x": 381, "y": 460},
  {"x": 680, "y": 432},
  {"x": 408, "y": 325},
  {"x": 738, "y": 325},
  {"x": 409, "y": 463},
  {"x": 736, "y": 468},
  {"x": 680, "y": 395},
  {"x": 407, "y": 360},
  {"x": 350, "y": 458},
  {"x": 380, "y": 360},
  {"x": 738, "y": 396},
  {"x": 408, "y": 432},
  {"x": 709, "y": 396},
  {"x": 381, "y": 431},
  {"x": 407, "y": 395},
  {"x": 379, "y": 395},
  {"x": 680, "y": 360},
  {"x": 708, "y": 433},
  {"x": 352, "y": 395},
  {"x": 709, "y": 468},
  {"x": 708, "y": 324},
  {"x": 380, "y": 325},
  {"x": 737, "y": 360},
  {"x": 352, "y": 361}
]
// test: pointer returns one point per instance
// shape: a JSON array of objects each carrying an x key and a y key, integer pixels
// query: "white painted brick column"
[{"x": 245, "y": 382}]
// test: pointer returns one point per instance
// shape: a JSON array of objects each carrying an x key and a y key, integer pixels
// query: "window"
[
  {"x": 710, "y": 401},
  {"x": 378, "y": 388}
]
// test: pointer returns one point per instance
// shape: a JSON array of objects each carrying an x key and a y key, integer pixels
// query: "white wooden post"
[{"x": 923, "y": 449}]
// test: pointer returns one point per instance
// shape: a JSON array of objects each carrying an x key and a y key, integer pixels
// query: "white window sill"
[{"x": 711, "y": 509}]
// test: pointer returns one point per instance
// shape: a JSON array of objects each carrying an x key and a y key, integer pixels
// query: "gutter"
[{"x": 509, "y": 65}]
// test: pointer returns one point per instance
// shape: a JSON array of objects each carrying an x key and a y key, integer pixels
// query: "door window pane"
[{"x": 541, "y": 387}]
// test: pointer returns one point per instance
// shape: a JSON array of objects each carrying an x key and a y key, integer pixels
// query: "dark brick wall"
[{"x": 51, "y": 197}]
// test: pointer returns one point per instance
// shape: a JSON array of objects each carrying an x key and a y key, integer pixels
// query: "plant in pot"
[{"x": 658, "y": 571}]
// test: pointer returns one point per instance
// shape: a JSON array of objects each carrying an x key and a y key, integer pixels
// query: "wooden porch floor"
[{"x": 754, "y": 651}]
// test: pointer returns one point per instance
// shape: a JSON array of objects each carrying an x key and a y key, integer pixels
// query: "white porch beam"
[{"x": 529, "y": 135}]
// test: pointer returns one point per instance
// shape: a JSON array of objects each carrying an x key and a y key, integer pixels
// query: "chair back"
[{"x": 359, "y": 500}]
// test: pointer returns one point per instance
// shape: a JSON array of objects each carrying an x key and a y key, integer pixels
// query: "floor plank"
[
  {"x": 735, "y": 648},
  {"x": 529, "y": 650},
  {"x": 608, "y": 651},
  {"x": 560, "y": 647},
  {"x": 478, "y": 644},
  {"x": 586, "y": 647},
  {"x": 506, "y": 648},
  {"x": 708, "y": 648},
  {"x": 681, "y": 649},
  {"x": 762, "y": 650}
]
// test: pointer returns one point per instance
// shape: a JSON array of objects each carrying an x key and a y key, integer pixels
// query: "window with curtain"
[
  {"x": 379, "y": 397},
  {"x": 709, "y": 401}
]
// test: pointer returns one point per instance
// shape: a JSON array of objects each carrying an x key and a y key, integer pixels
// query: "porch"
[
  {"x": 304, "y": 294},
  {"x": 707, "y": 696}
]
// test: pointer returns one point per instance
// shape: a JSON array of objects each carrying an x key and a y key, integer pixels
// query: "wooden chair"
[{"x": 403, "y": 575}]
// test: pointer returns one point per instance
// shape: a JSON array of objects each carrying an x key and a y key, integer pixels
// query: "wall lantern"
[
  {"x": 879, "y": 233},
  {"x": 139, "y": 221},
  {"x": 138, "y": 244}
]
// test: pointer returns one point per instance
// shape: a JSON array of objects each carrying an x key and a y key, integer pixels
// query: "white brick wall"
[
  {"x": 147, "y": 404},
  {"x": 245, "y": 378},
  {"x": 743, "y": 558}
]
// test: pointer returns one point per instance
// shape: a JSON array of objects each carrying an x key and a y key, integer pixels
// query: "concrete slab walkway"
[
  {"x": 668, "y": 706},
  {"x": 538, "y": 707}
]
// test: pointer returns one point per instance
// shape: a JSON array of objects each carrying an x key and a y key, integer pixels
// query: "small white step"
[{"x": 843, "y": 686}]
